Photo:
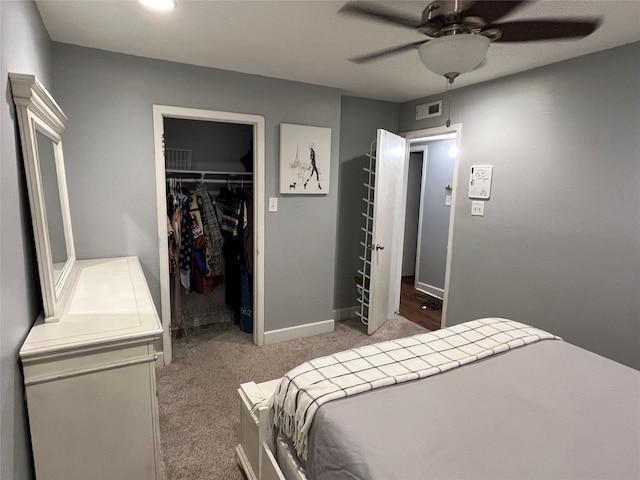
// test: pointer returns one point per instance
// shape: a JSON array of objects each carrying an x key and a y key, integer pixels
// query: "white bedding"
[
  {"x": 305, "y": 388},
  {"x": 546, "y": 411}
]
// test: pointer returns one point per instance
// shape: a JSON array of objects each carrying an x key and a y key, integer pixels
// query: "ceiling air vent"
[{"x": 428, "y": 110}]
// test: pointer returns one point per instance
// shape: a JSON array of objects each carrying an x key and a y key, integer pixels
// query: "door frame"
[
  {"x": 258, "y": 123},
  {"x": 413, "y": 136},
  {"x": 424, "y": 149}
]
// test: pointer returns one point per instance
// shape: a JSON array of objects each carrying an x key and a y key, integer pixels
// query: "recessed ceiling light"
[{"x": 159, "y": 4}]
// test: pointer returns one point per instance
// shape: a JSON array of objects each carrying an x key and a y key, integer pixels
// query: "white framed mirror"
[{"x": 41, "y": 122}]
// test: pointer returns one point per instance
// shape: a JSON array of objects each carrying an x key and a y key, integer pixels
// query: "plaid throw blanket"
[{"x": 303, "y": 389}]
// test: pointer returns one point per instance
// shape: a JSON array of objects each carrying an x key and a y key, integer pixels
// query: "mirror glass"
[
  {"x": 53, "y": 207},
  {"x": 41, "y": 122}
]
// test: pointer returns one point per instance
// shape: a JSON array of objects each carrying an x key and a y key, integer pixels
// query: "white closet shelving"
[
  {"x": 364, "y": 274},
  {"x": 189, "y": 175},
  {"x": 178, "y": 165}
]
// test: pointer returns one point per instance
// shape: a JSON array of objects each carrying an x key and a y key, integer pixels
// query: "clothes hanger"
[{"x": 173, "y": 191}]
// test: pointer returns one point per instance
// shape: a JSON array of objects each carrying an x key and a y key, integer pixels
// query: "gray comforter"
[{"x": 545, "y": 411}]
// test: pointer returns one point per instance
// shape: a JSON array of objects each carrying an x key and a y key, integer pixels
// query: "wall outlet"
[{"x": 477, "y": 208}]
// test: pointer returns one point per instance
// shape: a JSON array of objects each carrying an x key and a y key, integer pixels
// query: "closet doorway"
[
  {"x": 235, "y": 170},
  {"x": 431, "y": 196}
]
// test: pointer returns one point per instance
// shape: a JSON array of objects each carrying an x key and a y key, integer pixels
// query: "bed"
[{"x": 537, "y": 408}]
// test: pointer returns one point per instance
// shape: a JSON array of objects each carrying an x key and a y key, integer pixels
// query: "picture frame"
[{"x": 305, "y": 159}]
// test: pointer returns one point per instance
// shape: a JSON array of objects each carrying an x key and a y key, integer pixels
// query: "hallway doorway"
[
  {"x": 419, "y": 307},
  {"x": 430, "y": 202}
]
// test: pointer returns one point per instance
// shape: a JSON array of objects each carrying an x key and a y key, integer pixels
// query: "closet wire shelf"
[{"x": 178, "y": 158}]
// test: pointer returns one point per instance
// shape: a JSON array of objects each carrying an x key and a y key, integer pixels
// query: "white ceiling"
[{"x": 308, "y": 41}]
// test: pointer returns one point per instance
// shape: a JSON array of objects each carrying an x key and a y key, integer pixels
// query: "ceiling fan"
[{"x": 459, "y": 31}]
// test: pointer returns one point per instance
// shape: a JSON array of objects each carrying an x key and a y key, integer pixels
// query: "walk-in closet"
[{"x": 210, "y": 201}]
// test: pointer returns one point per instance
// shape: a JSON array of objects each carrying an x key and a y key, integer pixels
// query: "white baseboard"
[
  {"x": 299, "y": 331},
  {"x": 345, "y": 313},
  {"x": 430, "y": 290}
]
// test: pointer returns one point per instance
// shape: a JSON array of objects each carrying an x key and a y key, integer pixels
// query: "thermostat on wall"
[{"x": 429, "y": 110}]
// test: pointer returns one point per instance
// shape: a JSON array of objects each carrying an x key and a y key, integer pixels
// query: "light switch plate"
[
  {"x": 273, "y": 204},
  {"x": 447, "y": 200},
  {"x": 477, "y": 208}
]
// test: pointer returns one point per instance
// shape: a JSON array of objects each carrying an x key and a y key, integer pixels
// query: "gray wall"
[
  {"x": 559, "y": 245},
  {"x": 359, "y": 120},
  {"x": 412, "y": 214},
  {"x": 435, "y": 214},
  {"x": 24, "y": 48},
  {"x": 108, "y": 98}
]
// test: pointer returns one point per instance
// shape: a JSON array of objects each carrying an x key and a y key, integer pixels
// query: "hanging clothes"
[
  {"x": 185, "y": 258},
  {"x": 197, "y": 232},
  {"x": 232, "y": 215},
  {"x": 174, "y": 275},
  {"x": 212, "y": 244},
  {"x": 246, "y": 276},
  {"x": 171, "y": 240},
  {"x": 248, "y": 195},
  {"x": 246, "y": 302},
  {"x": 198, "y": 248},
  {"x": 233, "y": 247},
  {"x": 214, "y": 258}
]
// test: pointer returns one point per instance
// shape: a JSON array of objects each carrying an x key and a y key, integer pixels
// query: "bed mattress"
[{"x": 549, "y": 410}]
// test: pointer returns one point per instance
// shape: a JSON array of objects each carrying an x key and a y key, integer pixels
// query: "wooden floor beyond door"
[{"x": 412, "y": 301}]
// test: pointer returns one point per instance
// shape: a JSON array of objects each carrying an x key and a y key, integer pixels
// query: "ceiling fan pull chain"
[{"x": 449, "y": 88}]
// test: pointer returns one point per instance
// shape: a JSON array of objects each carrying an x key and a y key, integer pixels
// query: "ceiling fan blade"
[
  {"x": 491, "y": 11},
  {"x": 389, "y": 51},
  {"x": 381, "y": 13},
  {"x": 535, "y": 30}
]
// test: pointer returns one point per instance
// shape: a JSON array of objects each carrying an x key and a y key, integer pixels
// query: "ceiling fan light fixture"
[
  {"x": 162, "y": 5},
  {"x": 453, "y": 55}
]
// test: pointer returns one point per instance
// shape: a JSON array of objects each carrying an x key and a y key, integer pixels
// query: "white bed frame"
[{"x": 255, "y": 450}]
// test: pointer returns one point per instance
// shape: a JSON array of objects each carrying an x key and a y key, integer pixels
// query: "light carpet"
[{"x": 197, "y": 394}]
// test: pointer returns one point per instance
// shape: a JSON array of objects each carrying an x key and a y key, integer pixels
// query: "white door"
[{"x": 388, "y": 228}]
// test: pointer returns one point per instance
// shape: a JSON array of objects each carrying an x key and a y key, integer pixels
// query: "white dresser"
[{"x": 90, "y": 378}]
